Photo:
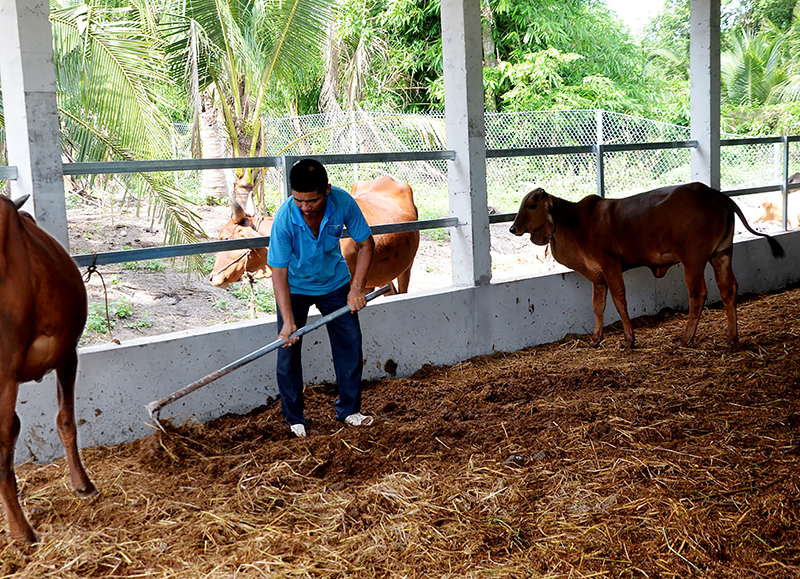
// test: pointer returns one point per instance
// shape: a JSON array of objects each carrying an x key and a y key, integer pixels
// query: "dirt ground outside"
[
  {"x": 151, "y": 297},
  {"x": 556, "y": 461}
]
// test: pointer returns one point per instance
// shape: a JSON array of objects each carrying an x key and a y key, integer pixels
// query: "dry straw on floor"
[{"x": 558, "y": 461}]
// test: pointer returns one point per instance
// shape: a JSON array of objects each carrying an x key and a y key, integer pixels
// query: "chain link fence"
[{"x": 571, "y": 176}]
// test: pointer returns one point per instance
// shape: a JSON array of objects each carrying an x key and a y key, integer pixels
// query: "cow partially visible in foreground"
[
  {"x": 382, "y": 201},
  {"x": 600, "y": 238},
  {"x": 43, "y": 309}
]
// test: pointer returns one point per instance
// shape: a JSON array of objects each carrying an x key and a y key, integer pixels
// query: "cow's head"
[
  {"x": 534, "y": 217},
  {"x": 233, "y": 266}
]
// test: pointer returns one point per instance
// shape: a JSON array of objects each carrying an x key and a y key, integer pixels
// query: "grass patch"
[
  {"x": 96, "y": 320},
  {"x": 146, "y": 264},
  {"x": 264, "y": 296}
]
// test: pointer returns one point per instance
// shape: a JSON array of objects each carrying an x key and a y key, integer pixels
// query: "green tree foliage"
[
  {"x": 570, "y": 39},
  {"x": 760, "y": 63},
  {"x": 753, "y": 14},
  {"x": 753, "y": 66},
  {"x": 115, "y": 98}
]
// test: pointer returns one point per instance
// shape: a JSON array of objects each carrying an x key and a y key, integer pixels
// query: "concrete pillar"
[
  {"x": 466, "y": 135},
  {"x": 705, "y": 85},
  {"x": 33, "y": 138}
]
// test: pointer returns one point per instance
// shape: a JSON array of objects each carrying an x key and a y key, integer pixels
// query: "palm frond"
[{"x": 111, "y": 72}]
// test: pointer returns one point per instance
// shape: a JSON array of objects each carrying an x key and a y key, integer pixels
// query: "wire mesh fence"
[{"x": 572, "y": 175}]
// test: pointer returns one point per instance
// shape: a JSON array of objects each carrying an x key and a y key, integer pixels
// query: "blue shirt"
[{"x": 316, "y": 265}]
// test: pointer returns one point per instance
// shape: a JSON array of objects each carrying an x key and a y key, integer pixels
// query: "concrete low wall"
[{"x": 439, "y": 327}]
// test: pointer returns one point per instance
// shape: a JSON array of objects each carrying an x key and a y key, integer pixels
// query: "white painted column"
[
  {"x": 33, "y": 138},
  {"x": 705, "y": 85},
  {"x": 466, "y": 135}
]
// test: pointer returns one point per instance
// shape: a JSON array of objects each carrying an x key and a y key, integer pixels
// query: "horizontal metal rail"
[
  {"x": 9, "y": 173},
  {"x": 691, "y": 144},
  {"x": 169, "y": 251},
  {"x": 587, "y": 149},
  {"x": 169, "y": 165},
  {"x": 757, "y": 141},
  {"x": 502, "y": 217},
  {"x": 538, "y": 151},
  {"x": 361, "y": 158},
  {"x": 245, "y": 162}
]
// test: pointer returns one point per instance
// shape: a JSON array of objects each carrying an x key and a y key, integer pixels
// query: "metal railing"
[
  {"x": 8, "y": 173},
  {"x": 599, "y": 150},
  {"x": 284, "y": 162}
]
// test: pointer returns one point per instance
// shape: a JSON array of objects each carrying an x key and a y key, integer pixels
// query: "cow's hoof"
[
  {"x": 88, "y": 491},
  {"x": 26, "y": 536}
]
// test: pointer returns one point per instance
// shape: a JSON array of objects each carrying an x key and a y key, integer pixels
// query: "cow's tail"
[{"x": 777, "y": 250}]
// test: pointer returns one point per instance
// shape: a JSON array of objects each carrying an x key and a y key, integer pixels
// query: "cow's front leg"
[
  {"x": 616, "y": 284},
  {"x": 599, "y": 291},
  {"x": 18, "y": 525}
]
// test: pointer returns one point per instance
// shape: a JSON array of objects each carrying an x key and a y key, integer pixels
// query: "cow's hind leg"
[
  {"x": 728, "y": 290},
  {"x": 696, "y": 283},
  {"x": 67, "y": 430},
  {"x": 18, "y": 525}
]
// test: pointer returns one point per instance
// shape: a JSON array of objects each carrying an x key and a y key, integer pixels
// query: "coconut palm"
[
  {"x": 753, "y": 67},
  {"x": 238, "y": 56},
  {"x": 113, "y": 89}
]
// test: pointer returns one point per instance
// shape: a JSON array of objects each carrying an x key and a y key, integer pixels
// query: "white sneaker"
[
  {"x": 298, "y": 430},
  {"x": 359, "y": 419}
]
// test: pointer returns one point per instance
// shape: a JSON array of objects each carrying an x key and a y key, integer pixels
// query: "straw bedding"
[{"x": 556, "y": 461}]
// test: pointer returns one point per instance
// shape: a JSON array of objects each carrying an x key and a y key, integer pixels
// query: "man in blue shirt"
[{"x": 308, "y": 269}]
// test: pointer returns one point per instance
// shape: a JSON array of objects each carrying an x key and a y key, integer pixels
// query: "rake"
[{"x": 154, "y": 408}]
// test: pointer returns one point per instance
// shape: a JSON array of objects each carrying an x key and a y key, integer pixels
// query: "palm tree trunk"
[{"x": 213, "y": 183}]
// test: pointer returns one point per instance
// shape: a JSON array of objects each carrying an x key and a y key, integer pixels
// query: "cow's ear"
[{"x": 549, "y": 203}]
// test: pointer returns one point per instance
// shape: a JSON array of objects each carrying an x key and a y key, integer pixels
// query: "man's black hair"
[{"x": 308, "y": 175}]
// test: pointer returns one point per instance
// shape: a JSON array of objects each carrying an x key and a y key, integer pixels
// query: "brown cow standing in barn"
[
  {"x": 382, "y": 201},
  {"x": 43, "y": 309},
  {"x": 600, "y": 238},
  {"x": 231, "y": 266}
]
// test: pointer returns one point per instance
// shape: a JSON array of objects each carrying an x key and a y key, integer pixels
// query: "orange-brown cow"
[
  {"x": 383, "y": 201},
  {"x": 600, "y": 238},
  {"x": 232, "y": 266},
  {"x": 773, "y": 212},
  {"x": 42, "y": 314}
]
